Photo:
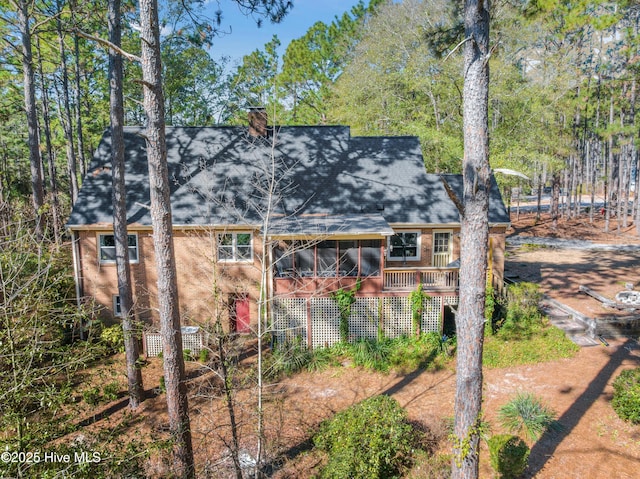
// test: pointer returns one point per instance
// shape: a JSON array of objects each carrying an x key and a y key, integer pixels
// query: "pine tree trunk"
[
  {"x": 636, "y": 194},
  {"x": 78, "y": 108},
  {"x": 169, "y": 310},
  {"x": 539, "y": 198},
  {"x": 474, "y": 241},
  {"x": 65, "y": 119},
  {"x": 555, "y": 199},
  {"x": 593, "y": 179},
  {"x": 566, "y": 198},
  {"x": 51, "y": 167},
  {"x": 609, "y": 175},
  {"x": 633, "y": 160},
  {"x": 132, "y": 350},
  {"x": 35, "y": 160}
]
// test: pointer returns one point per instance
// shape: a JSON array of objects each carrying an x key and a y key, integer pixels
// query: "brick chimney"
[{"x": 257, "y": 121}]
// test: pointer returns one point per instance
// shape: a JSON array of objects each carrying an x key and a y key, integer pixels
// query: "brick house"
[{"x": 342, "y": 211}]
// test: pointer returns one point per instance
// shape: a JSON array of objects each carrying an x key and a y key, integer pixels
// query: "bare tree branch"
[{"x": 108, "y": 44}]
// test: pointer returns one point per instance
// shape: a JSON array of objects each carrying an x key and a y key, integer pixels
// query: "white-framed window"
[
  {"x": 235, "y": 247},
  {"x": 117, "y": 306},
  {"x": 442, "y": 248},
  {"x": 107, "y": 248},
  {"x": 404, "y": 246}
]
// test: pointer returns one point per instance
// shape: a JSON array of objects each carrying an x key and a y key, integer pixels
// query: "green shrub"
[
  {"x": 113, "y": 338},
  {"x": 292, "y": 356},
  {"x": 203, "y": 356},
  {"x": 523, "y": 315},
  {"x": 91, "y": 395},
  {"x": 527, "y": 415},
  {"x": 437, "y": 343},
  {"x": 522, "y": 334},
  {"x": 509, "y": 455},
  {"x": 626, "y": 395},
  {"x": 495, "y": 310},
  {"x": 404, "y": 353},
  {"x": 416, "y": 299},
  {"x": 371, "y": 439},
  {"x": 345, "y": 299},
  {"x": 111, "y": 391}
]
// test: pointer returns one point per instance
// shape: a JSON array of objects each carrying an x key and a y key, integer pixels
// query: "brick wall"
[{"x": 201, "y": 297}]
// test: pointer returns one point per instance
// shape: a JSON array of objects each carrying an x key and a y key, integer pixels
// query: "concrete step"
[{"x": 564, "y": 318}]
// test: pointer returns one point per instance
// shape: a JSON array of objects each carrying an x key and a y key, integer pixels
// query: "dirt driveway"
[{"x": 561, "y": 271}]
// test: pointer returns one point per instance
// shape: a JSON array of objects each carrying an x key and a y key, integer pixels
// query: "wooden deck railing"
[{"x": 434, "y": 279}]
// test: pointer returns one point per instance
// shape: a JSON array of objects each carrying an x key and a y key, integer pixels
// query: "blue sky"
[{"x": 245, "y": 36}]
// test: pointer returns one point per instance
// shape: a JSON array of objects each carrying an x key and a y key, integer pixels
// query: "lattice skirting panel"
[
  {"x": 431, "y": 320},
  {"x": 290, "y": 319},
  {"x": 393, "y": 314},
  {"x": 364, "y": 319},
  {"x": 325, "y": 322},
  {"x": 397, "y": 317},
  {"x": 192, "y": 340},
  {"x": 451, "y": 300}
]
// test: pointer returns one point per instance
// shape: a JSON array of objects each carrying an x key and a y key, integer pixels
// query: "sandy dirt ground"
[
  {"x": 561, "y": 271},
  {"x": 593, "y": 443}
]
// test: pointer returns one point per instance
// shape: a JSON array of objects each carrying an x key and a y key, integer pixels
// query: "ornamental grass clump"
[{"x": 527, "y": 415}]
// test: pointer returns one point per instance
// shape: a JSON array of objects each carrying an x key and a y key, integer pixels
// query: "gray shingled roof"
[
  {"x": 216, "y": 176},
  {"x": 497, "y": 210}
]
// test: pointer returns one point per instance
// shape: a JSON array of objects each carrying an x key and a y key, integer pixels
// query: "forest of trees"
[
  {"x": 560, "y": 111},
  {"x": 562, "y": 97}
]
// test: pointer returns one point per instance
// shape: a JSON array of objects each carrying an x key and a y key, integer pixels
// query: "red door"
[{"x": 241, "y": 316}]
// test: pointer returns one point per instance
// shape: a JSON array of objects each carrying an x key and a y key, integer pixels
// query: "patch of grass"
[
  {"x": 527, "y": 415},
  {"x": 430, "y": 466},
  {"x": 91, "y": 395},
  {"x": 404, "y": 354},
  {"x": 372, "y": 354},
  {"x": 521, "y": 334},
  {"x": 287, "y": 358},
  {"x": 544, "y": 343},
  {"x": 429, "y": 351},
  {"x": 323, "y": 358},
  {"x": 292, "y": 356}
]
